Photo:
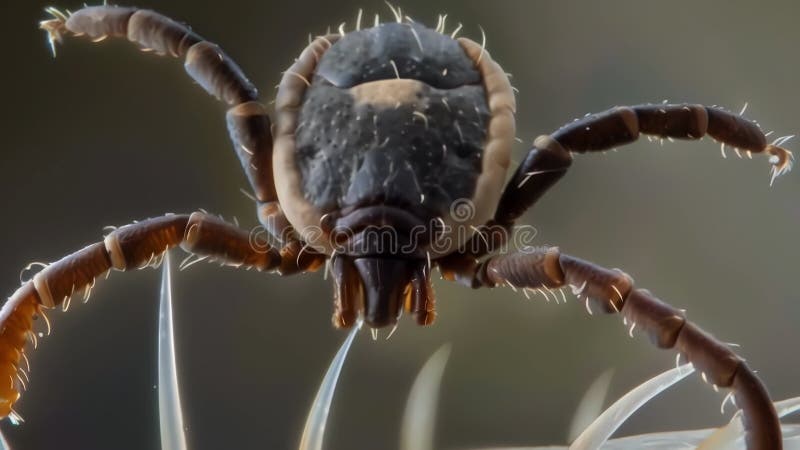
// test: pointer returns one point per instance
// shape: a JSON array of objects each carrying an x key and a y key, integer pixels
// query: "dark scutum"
[
  {"x": 424, "y": 152},
  {"x": 418, "y": 52}
]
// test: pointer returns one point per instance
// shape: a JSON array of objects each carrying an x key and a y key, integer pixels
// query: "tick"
[{"x": 389, "y": 158}]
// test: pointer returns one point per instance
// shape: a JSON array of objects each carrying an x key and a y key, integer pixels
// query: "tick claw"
[
  {"x": 55, "y": 27},
  {"x": 781, "y": 159}
]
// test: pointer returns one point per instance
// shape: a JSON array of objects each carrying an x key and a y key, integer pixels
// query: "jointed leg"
[
  {"x": 248, "y": 122},
  {"x": 551, "y": 155},
  {"x": 667, "y": 327},
  {"x": 133, "y": 246}
]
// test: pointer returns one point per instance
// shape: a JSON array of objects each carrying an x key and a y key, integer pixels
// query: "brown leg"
[
  {"x": 667, "y": 327},
  {"x": 133, "y": 246},
  {"x": 248, "y": 122},
  {"x": 551, "y": 155}
]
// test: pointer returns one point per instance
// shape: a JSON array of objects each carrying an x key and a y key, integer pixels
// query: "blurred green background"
[{"x": 104, "y": 135}]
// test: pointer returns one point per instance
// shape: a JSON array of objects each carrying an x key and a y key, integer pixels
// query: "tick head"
[{"x": 380, "y": 266}]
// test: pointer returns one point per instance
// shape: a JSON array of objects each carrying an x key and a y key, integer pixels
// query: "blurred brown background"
[{"x": 104, "y": 135}]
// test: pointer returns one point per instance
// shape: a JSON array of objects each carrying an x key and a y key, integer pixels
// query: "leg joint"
[
  {"x": 673, "y": 121},
  {"x": 603, "y": 131},
  {"x": 607, "y": 288},
  {"x": 211, "y": 236},
  {"x": 137, "y": 245},
  {"x": 660, "y": 321},
  {"x": 712, "y": 358},
  {"x": 535, "y": 268}
]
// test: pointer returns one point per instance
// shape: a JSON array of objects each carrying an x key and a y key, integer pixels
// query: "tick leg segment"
[
  {"x": 612, "y": 291},
  {"x": 205, "y": 62},
  {"x": 133, "y": 246},
  {"x": 551, "y": 156}
]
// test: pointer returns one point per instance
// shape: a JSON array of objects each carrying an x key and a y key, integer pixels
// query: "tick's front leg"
[{"x": 134, "y": 246}]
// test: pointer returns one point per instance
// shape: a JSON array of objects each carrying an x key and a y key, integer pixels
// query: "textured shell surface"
[{"x": 395, "y": 114}]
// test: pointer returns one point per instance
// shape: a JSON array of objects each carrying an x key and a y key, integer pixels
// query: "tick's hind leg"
[
  {"x": 134, "y": 246},
  {"x": 612, "y": 291},
  {"x": 248, "y": 122},
  {"x": 551, "y": 156}
]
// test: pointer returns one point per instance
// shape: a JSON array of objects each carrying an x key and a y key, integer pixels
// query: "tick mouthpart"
[
  {"x": 385, "y": 281},
  {"x": 379, "y": 289},
  {"x": 383, "y": 230}
]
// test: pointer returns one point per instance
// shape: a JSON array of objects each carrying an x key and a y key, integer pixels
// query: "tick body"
[
  {"x": 376, "y": 132},
  {"x": 396, "y": 128}
]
